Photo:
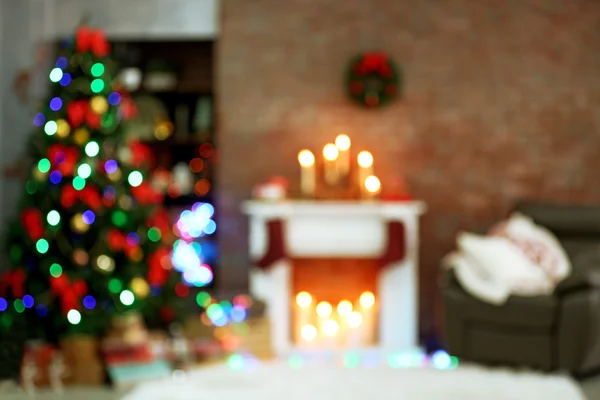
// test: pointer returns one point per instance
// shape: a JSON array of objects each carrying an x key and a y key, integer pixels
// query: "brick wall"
[{"x": 502, "y": 102}]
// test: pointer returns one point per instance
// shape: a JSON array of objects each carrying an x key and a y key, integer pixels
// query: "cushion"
[
  {"x": 505, "y": 264},
  {"x": 475, "y": 280},
  {"x": 538, "y": 243}
]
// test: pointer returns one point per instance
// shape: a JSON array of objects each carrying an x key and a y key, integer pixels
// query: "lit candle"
[
  {"x": 324, "y": 310},
  {"x": 372, "y": 186},
  {"x": 303, "y": 301},
  {"x": 342, "y": 142},
  {"x": 331, "y": 153},
  {"x": 354, "y": 321},
  {"x": 365, "y": 164},
  {"x": 308, "y": 176},
  {"x": 330, "y": 330},
  {"x": 367, "y": 303}
]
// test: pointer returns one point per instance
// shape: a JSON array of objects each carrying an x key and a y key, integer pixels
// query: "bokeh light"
[{"x": 74, "y": 317}]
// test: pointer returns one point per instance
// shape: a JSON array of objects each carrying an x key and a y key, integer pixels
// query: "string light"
[
  {"x": 203, "y": 299},
  {"x": 53, "y": 218},
  {"x": 41, "y": 310},
  {"x": 42, "y": 246},
  {"x": 56, "y": 75},
  {"x": 74, "y": 317},
  {"x": 19, "y": 306},
  {"x": 111, "y": 166},
  {"x": 62, "y": 128},
  {"x": 84, "y": 171},
  {"x": 92, "y": 149},
  {"x": 44, "y": 165},
  {"x": 89, "y": 302},
  {"x": 114, "y": 98},
  {"x": 154, "y": 234},
  {"x": 78, "y": 183},
  {"x": 126, "y": 297},
  {"x": 106, "y": 264},
  {"x": 50, "y": 128},
  {"x": 39, "y": 119},
  {"x": 97, "y": 85},
  {"x": 3, "y": 304},
  {"x": 55, "y": 177},
  {"x": 56, "y": 270},
  {"x": 56, "y": 104},
  {"x": 28, "y": 301},
  {"x": 115, "y": 285},
  {"x": 89, "y": 217},
  {"x": 66, "y": 79},
  {"x": 62, "y": 62},
  {"x": 135, "y": 178},
  {"x": 97, "y": 70}
]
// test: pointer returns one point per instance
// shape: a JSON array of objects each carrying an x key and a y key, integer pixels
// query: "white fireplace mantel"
[{"x": 344, "y": 229}]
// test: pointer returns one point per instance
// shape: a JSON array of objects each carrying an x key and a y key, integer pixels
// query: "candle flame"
[
  {"x": 367, "y": 300},
  {"x": 365, "y": 159},
  {"x": 303, "y": 299},
  {"x": 372, "y": 184},
  {"x": 355, "y": 319},
  {"x": 344, "y": 308},
  {"x": 306, "y": 158},
  {"x": 324, "y": 309},
  {"x": 342, "y": 142},
  {"x": 330, "y": 327},
  {"x": 308, "y": 333},
  {"x": 330, "y": 152}
]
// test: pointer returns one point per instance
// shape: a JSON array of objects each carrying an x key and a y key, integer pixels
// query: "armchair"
[{"x": 560, "y": 331}]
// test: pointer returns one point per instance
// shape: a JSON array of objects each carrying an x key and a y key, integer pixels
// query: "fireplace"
[{"x": 336, "y": 274}]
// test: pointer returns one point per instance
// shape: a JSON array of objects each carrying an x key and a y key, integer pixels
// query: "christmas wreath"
[{"x": 373, "y": 79}]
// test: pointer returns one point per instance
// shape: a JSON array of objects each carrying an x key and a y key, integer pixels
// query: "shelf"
[
  {"x": 174, "y": 142},
  {"x": 187, "y": 200}
]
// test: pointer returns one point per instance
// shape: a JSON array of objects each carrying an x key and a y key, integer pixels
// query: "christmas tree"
[{"x": 91, "y": 239}]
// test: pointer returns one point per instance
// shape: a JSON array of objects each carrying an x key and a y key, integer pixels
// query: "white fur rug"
[{"x": 277, "y": 381}]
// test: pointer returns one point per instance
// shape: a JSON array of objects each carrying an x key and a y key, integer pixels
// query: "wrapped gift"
[
  {"x": 38, "y": 355},
  {"x": 82, "y": 359}
]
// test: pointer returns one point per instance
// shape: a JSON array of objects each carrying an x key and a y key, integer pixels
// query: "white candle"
[
  {"x": 330, "y": 154},
  {"x": 372, "y": 186},
  {"x": 308, "y": 176},
  {"x": 367, "y": 305},
  {"x": 355, "y": 338},
  {"x": 342, "y": 142},
  {"x": 365, "y": 169},
  {"x": 303, "y": 313}
]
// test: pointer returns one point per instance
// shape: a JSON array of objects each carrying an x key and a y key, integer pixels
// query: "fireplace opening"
[{"x": 334, "y": 302}]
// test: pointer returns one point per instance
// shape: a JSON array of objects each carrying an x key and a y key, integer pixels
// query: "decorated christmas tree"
[{"x": 90, "y": 239}]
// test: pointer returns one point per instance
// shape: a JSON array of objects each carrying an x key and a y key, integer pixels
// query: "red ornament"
[
  {"x": 374, "y": 63},
  {"x": 117, "y": 240},
  {"x": 69, "y": 292},
  {"x": 91, "y": 197},
  {"x": 141, "y": 154},
  {"x": 79, "y": 112},
  {"x": 14, "y": 280},
  {"x": 68, "y": 196},
  {"x": 128, "y": 108},
  {"x": 33, "y": 221},
  {"x": 93, "y": 40},
  {"x": 167, "y": 314},
  {"x": 146, "y": 194},
  {"x": 160, "y": 219},
  {"x": 159, "y": 266}
]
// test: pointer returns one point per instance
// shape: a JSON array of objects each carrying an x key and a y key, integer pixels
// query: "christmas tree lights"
[{"x": 92, "y": 239}]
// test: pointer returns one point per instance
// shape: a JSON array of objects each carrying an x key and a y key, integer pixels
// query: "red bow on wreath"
[
  {"x": 88, "y": 195},
  {"x": 14, "y": 280},
  {"x": 69, "y": 292},
  {"x": 79, "y": 111},
  {"x": 93, "y": 40},
  {"x": 159, "y": 266},
  {"x": 33, "y": 222},
  {"x": 374, "y": 63}
]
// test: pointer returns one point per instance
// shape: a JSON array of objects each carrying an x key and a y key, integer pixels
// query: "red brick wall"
[{"x": 502, "y": 102}]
